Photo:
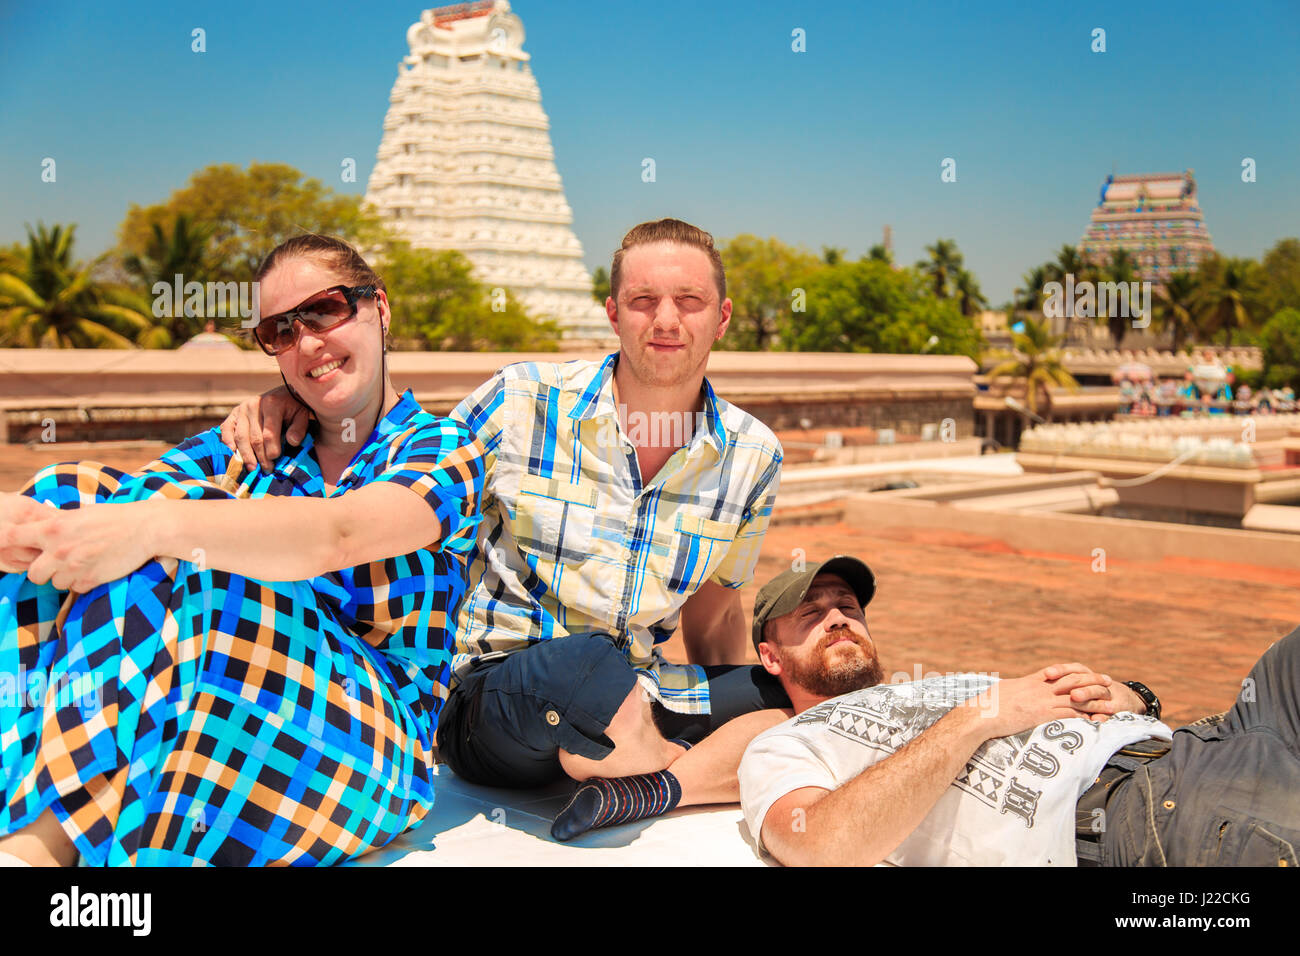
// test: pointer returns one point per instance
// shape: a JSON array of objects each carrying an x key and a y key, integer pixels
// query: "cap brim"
[{"x": 853, "y": 572}]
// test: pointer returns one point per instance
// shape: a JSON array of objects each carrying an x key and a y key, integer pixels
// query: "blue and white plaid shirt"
[{"x": 572, "y": 541}]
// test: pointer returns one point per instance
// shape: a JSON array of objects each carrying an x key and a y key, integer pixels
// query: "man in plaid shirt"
[{"x": 622, "y": 498}]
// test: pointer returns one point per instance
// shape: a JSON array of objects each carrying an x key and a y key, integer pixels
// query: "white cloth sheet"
[{"x": 481, "y": 826}]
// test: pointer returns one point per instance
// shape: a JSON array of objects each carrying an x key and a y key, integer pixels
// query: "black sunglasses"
[{"x": 320, "y": 313}]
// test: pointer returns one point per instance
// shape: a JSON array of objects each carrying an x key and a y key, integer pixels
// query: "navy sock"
[{"x": 605, "y": 803}]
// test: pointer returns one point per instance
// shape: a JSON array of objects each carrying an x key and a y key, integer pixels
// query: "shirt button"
[
  {"x": 552, "y": 718},
  {"x": 1169, "y": 804}
]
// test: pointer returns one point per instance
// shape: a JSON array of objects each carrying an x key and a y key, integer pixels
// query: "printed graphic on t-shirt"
[
  {"x": 1013, "y": 803},
  {"x": 1005, "y": 773}
]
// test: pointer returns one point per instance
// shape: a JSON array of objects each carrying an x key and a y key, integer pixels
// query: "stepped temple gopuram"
[
  {"x": 466, "y": 163},
  {"x": 1155, "y": 217}
]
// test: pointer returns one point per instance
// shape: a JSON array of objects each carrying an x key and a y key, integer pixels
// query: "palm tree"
[
  {"x": 942, "y": 266},
  {"x": 49, "y": 301},
  {"x": 1121, "y": 271},
  {"x": 1225, "y": 300},
  {"x": 1070, "y": 262},
  {"x": 181, "y": 252},
  {"x": 1174, "y": 307},
  {"x": 1036, "y": 360},
  {"x": 1029, "y": 297},
  {"x": 969, "y": 296},
  {"x": 12, "y": 258}
]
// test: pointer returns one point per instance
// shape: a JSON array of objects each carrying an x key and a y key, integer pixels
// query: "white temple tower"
[{"x": 466, "y": 163}]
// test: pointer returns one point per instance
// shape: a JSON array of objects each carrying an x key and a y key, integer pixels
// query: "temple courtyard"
[{"x": 952, "y": 600}]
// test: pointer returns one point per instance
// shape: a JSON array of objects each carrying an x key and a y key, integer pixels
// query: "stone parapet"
[{"x": 99, "y": 393}]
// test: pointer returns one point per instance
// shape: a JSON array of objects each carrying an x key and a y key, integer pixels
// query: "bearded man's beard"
[{"x": 832, "y": 678}]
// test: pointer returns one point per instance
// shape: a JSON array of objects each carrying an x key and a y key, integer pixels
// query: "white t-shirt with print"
[{"x": 1013, "y": 803}]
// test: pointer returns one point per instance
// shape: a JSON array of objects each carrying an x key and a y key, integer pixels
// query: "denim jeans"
[
  {"x": 506, "y": 721},
  {"x": 1226, "y": 794}
]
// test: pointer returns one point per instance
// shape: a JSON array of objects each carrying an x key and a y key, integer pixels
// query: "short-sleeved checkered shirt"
[
  {"x": 406, "y": 605},
  {"x": 572, "y": 541}
]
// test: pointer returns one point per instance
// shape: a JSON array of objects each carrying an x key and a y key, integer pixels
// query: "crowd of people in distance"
[{"x": 1208, "y": 388}]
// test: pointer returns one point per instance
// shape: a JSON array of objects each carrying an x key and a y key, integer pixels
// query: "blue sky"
[{"x": 818, "y": 148}]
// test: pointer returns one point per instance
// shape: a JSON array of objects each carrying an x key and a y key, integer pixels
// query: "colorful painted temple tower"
[
  {"x": 1155, "y": 217},
  {"x": 466, "y": 163}
]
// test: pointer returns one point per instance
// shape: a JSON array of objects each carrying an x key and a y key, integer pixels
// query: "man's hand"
[
  {"x": 1097, "y": 694},
  {"x": 1022, "y": 703},
  {"x": 253, "y": 427}
]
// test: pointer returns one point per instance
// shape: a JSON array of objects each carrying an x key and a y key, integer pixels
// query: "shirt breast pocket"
[
  {"x": 554, "y": 519},
  {"x": 699, "y": 545},
  {"x": 1238, "y": 839}
]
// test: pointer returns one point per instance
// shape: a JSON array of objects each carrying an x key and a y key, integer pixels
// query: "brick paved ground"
[
  {"x": 954, "y": 601},
  {"x": 949, "y": 601}
]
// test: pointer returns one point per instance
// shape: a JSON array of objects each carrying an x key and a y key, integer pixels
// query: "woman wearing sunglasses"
[{"x": 205, "y": 680}]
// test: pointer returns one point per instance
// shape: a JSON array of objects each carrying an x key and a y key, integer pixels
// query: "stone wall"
[
  {"x": 906, "y": 415},
  {"x": 95, "y": 395}
]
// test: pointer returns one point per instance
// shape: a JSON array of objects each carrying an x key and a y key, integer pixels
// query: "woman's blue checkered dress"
[{"x": 182, "y": 716}]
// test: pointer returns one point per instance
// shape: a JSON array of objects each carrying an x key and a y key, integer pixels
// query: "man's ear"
[
  {"x": 724, "y": 321},
  {"x": 611, "y": 310},
  {"x": 769, "y": 656}
]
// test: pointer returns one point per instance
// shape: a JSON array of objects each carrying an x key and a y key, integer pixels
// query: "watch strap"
[{"x": 1148, "y": 697}]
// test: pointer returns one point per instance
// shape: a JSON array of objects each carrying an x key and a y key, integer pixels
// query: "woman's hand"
[
  {"x": 16, "y": 510},
  {"x": 83, "y": 548}
]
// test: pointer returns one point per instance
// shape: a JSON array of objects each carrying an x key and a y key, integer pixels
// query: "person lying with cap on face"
[{"x": 966, "y": 769}]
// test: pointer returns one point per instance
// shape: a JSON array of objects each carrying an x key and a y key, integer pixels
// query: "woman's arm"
[{"x": 274, "y": 539}]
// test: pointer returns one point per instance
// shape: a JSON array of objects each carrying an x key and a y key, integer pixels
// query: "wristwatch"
[{"x": 1148, "y": 697}]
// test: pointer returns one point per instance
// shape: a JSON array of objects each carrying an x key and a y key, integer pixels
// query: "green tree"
[
  {"x": 247, "y": 213},
  {"x": 762, "y": 276},
  {"x": 1174, "y": 307},
  {"x": 13, "y": 258},
  {"x": 878, "y": 253},
  {"x": 942, "y": 266},
  {"x": 1281, "y": 279},
  {"x": 436, "y": 299},
  {"x": 1036, "y": 360},
  {"x": 1228, "y": 296},
  {"x": 1280, "y": 343},
  {"x": 866, "y": 306},
  {"x": 1121, "y": 270},
  {"x": 1029, "y": 296},
  {"x": 49, "y": 300},
  {"x": 180, "y": 250},
  {"x": 970, "y": 299},
  {"x": 600, "y": 285},
  {"x": 1069, "y": 262}
]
